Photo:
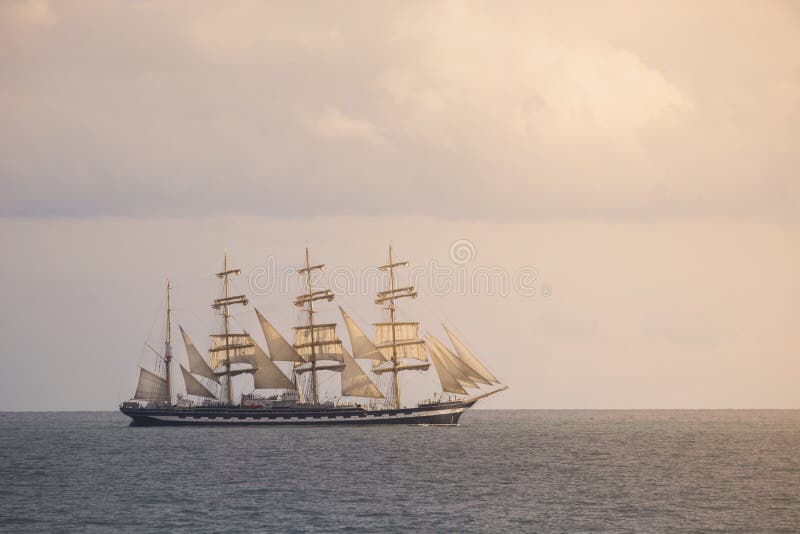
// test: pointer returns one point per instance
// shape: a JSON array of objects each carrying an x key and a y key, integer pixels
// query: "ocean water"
[{"x": 524, "y": 471}]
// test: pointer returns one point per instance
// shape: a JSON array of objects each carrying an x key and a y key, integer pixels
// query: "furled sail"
[
  {"x": 455, "y": 367},
  {"x": 405, "y": 341},
  {"x": 319, "y": 341},
  {"x": 151, "y": 387},
  {"x": 194, "y": 387},
  {"x": 464, "y": 353},
  {"x": 355, "y": 382},
  {"x": 239, "y": 347},
  {"x": 363, "y": 348},
  {"x": 268, "y": 375},
  {"x": 279, "y": 349},
  {"x": 449, "y": 383}
]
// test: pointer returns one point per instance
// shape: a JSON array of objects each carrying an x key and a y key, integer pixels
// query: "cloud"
[
  {"x": 492, "y": 111},
  {"x": 34, "y": 13},
  {"x": 466, "y": 72},
  {"x": 25, "y": 26},
  {"x": 481, "y": 85},
  {"x": 334, "y": 124}
]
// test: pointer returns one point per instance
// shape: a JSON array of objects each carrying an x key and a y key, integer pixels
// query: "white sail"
[
  {"x": 319, "y": 341},
  {"x": 151, "y": 387},
  {"x": 279, "y": 349},
  {"x": 355, "y": 382},
  {"x": 449, "y": 383},
  {"x": 458, "y": 367},
  {"x": 238, "y": 347},
  {"x": 197, "y": 363},
  {"x": 363, "y": 347},
  {"x": 193, "y": 386},
  {"x": 268, "y": 375},
  {"x": 405, "y": 341},
  {"x": 464, "y": 353},
  {"x": 403, "y": 331},
  {"x": 455, "y": 367}
]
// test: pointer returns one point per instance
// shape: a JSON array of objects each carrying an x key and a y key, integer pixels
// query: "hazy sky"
[{"x": 641, "y": 156}]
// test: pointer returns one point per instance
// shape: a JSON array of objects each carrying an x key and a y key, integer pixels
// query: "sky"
[{"x": 629, "y": 169}]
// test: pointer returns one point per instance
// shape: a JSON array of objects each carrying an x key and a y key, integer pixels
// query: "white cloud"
[
  {"x": 492, "y": 110},
  {"x": 476, "y": 82},
  {"x": 35, "y": 13},
  {"x": 334, "y": 124}
]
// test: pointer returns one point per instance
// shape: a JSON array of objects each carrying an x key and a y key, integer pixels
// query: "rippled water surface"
[{"x": 500, "y": 470}]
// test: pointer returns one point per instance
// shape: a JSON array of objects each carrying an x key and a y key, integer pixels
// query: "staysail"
[
  {"x": 151, "y": 387},
  {"x": 355, "y": 382},
  {"x": 457, "y": 366},
  {"x": 450, "y": 383},
  {"x": 464, "y": 353},
  {"x": 279, "y": 349},
  {"x": 268, "y": 375},
  {"x": 197, "y": 364},
  {"x": 193, "y": 386},
  {"x": 363, "y": 348}
]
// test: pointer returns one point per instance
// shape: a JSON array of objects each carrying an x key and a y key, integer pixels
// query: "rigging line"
[
  {"x": 191, "y": 306},
  {"x": 156, "y": 314},
  {"x": 442, "y": 318},
  {"x": 235, "y": 283},
  {"x": 192, "y": 312},
  {"x": 325, "y": 380},
  {"x": 357, "y": 316},
  {"x": 184, "y": 283}
]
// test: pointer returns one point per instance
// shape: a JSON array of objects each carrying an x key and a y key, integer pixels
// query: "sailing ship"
[{"x": 292, "y": 395}]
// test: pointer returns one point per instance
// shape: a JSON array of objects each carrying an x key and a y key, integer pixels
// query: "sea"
[{"x": 498, "y": 471}]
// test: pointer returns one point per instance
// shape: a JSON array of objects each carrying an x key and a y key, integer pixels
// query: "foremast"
[
  {"x": 408, "y": 345},
  {"x": 229, "y": 344},
  {"x": 315, "y": 342}
]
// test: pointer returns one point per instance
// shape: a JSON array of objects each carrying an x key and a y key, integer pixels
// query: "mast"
[
  {"x": 392, "y": 310},
  {"x": 226, "y": 317},
  {"x": 314, "y": 393},
  {"x": 168, "y": 344},
  {"x": 151, "y": 386},
  {"x": 314, "y": 341},
  {"x": 224, "y": 304},
  {"x": 408, "y": 345}
]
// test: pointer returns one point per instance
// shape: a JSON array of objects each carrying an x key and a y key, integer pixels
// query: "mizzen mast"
[
  {"x": 151, "y": 386},
  {"x": 398, "y": 340},
  {"x": 168, "y": 344}
]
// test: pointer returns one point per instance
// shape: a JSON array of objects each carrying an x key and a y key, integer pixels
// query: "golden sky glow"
[{"x": 641, "y": 156}]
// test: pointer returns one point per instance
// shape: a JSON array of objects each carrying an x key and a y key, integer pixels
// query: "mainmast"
[
  {"x": 402, "y": 343},
  {"x": 315, "y": 342},
  {"x": 232, "y": 344},
  {"x": 168, "y": 345}
]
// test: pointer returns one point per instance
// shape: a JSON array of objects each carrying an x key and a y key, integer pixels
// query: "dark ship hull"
[{"x": 443, "y": 413}]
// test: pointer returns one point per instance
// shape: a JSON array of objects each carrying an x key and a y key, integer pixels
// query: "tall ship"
[{"x": 283, "y": 382}]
